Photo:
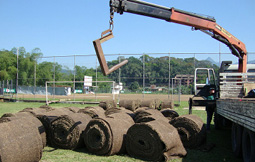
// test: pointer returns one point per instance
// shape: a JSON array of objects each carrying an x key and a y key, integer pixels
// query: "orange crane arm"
[
  {"x": 205, "y": 24},
  {"x": 216, "y": 31}
]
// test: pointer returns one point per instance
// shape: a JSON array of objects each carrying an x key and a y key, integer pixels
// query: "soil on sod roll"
[
  {"x": 105, "y": 136},
  {"x": 147, "y": 115},
  {"x": 30, "y": 117},
  {"x": 66, "y": 130},
  {"x": 107, "y": 104},
  {"x": 169, "y": 114},
  {"x": 94, "y": 112},
  {"x": 20, "y": 141},
  {"x": 191, "y": 130},
  {"x": 154, "y": 141}
]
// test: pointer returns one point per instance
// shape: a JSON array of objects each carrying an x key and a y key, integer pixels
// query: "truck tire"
[
  {"x": 236, "y": 139},
  {"x": 248, "y": 145}
]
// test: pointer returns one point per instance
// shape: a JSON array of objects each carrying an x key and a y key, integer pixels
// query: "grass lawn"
[{"x": 220, "y": 153}]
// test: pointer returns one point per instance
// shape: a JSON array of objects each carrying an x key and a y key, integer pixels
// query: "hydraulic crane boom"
[{"x": 205, "y": 24}]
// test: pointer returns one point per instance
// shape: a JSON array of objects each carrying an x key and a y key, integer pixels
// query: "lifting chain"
[{"x": 111, "y": 18}]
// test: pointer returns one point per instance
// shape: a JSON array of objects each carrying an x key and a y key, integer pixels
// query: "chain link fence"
[{"x": 146, "y": 76}]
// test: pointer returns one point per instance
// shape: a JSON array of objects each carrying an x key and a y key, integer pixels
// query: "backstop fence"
[{"x": 146, "y": 76}]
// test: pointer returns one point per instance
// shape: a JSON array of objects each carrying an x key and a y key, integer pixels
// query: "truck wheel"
[
  {"x": 236, "y": 139},
  {"x": 248, "y": 145}
]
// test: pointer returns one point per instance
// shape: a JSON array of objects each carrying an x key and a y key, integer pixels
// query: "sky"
[{"x": 64, "y": 27}]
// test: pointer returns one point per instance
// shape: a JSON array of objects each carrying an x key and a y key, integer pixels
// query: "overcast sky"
[{"x": 68, "y": 27}]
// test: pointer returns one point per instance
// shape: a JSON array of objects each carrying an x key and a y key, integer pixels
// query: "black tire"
[
  {"x": 248, "y": 145},
  {"x": 236, "y": 139}
]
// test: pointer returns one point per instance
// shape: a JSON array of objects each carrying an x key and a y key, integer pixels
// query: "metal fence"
[{"x": 172, "y": 84}]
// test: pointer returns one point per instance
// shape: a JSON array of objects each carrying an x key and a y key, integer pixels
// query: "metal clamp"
[{"x": 105, "y": 36}]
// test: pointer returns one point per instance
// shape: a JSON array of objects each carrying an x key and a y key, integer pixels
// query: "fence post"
[
  {"x": 169, "y": 75},
  {"x": 54, "y": 78},
  {"x": 47, "y": 92},
  {"x": 17, "y": 77},
  {"x": 143, "y": 75},
  {"x": 74, "y": 79}
]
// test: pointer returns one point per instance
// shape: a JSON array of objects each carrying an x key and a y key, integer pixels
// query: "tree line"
[{"x": 156, "y": 70}]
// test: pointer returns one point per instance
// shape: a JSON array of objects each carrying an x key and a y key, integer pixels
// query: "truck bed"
[{"x": 238, "y": 110}]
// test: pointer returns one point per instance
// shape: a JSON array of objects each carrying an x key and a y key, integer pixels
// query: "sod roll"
[
  {"x": 154, "y": 141},
  {"x": 148, "y": 103},
  {"x": 73, "y": 109},
  {"x": 66, "y": 130},
  {"x": 20, "y": 141},
  {"x": 130, "y": 104},
  {"x": 16, "y": 115},
  {"x": 169, "y": 114},
  {"x": 48, "y": 117},
  {"x": 119, "y": 110},
  {"x": 167, "y": 104},
  {"x": 37, "y": 111},
  {"x": 105, "y": 136},
  {"x": 157, "y": 103},
  {"x": 147, "y": 115},
  {"x": 29, "y": 117},
  {"x": 191, "y": 130},
  {"x": 107, "y": 104},
  {"x": 94, "y": 112}
]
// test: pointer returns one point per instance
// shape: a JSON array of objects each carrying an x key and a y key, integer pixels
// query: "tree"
[{"x": 134, "y": 86}]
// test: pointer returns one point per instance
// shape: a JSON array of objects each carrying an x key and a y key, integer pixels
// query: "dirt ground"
[{"x": 105, "y": 96}]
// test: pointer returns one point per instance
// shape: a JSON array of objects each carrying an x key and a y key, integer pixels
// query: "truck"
[
  {"x": 230, "y": 87},
  {"x": 232, "y": 104}
]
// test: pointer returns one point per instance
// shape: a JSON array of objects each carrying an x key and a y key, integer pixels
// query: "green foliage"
[
  {"x": 134, "y": 86},
  {"x": 156, "y": 69}
]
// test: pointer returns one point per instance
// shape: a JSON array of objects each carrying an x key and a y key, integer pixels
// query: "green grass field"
[{"x": 220, "y": 153}]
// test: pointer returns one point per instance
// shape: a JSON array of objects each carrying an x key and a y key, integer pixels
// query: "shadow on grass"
[{"x": 222, "y": 152}]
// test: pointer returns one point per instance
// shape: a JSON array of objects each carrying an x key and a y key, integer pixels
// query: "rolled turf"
[
  {"x": 169, "y": 114},
  {"x": 94, "y": 112},
  {"x": 119, "y": 110},
  {"x": 30, "y": 117},
  {"x": 106, "y": 136},
  {"x": 48, "y": 117},
  {"x": 66, "y": 130},
  {"x": 154, "y": 141},
  {"x": 107, "y": 104},
  {"x": 38, "y": 111},
  {"x": 191, "y": 130},
  {"x": 166, "y": 104},
  {"x": 147, "y": 115},
  {"x": 131, "y": 105},
  {"x": 148, "y": 103},
  {"x": 20, "y": 141}
]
